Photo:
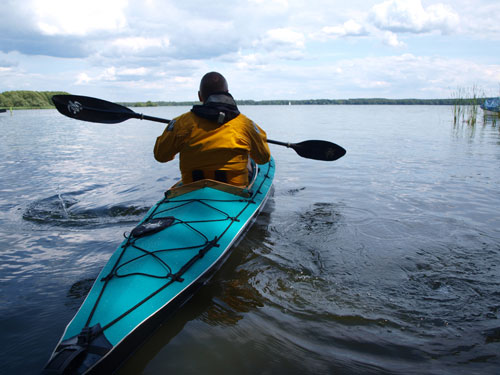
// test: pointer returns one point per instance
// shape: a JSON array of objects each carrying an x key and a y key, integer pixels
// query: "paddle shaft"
[
  {"x": 140, "y": 116},
  {"x": 286, "y": 144},
  {"x": 86, "y": 108}
]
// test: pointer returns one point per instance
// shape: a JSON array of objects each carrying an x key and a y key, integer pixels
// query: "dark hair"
[{"x": 211, "y": 83}]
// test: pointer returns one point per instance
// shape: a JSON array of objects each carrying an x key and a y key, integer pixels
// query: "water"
[{"x": 385, "y": 261}]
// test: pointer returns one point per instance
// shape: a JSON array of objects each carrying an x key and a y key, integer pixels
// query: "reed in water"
[{"x": 466, "y": 105}]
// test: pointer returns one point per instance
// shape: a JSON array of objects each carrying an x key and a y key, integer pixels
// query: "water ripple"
[{"x": 71, "y": 209}]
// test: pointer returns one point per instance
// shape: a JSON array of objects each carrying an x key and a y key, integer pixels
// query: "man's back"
[
  {"x": 210, "y": 150},
  {"x": 214, "y": 140}
]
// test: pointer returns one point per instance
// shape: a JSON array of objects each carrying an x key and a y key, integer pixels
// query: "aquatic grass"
[
  {"x": 473, "y": 105},
  {"x": 466, "y": 104},
  {"x": 457, "y": 96}
]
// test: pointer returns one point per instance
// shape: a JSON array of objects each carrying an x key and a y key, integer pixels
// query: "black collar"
[{"x": 219, "y": 107}]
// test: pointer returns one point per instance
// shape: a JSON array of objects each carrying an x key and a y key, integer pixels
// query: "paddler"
[{"x": 214, "y": 140}]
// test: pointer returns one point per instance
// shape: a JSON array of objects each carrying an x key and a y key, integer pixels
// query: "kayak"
[
  {"x": 181, "y": 242},
  {"x": 491, "y": 106}
]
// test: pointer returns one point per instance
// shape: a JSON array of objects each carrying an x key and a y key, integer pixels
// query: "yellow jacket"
[{"x": 206, "y": 146}]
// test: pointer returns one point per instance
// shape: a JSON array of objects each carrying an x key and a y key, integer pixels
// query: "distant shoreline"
[
  {"x": 360, "y": 101},
  {"x": 42, "y": 100}
]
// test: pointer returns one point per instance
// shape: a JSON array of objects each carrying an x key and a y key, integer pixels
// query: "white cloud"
[
  {"x": 63, "y": 17},
  {"x": 374, "y": 84},
  {"x": 390, "y": 17},
  {"x": 137, "y": 44},
  {"x": 109, "y": 74},
  {"x": 411, "y": 16},
  {"x": 271, "y": 5},
  {"x": 112, "y": 74},
  {"x": 283, "y": 38},
  {"x": 392, "y": 40},
  {"x": 140, "y": 43},
  {"x": 250, "y": 61},
  {"x": 142, "y": 71},
  {"x": 396, "y": 76},
  {"x": 83, "y": 78},
  {"x": 348, "y": 28},
  {"x": 479, "y": 19},
  {"x": 415, "y": 76},
  {"x": 183, "y": 80}
]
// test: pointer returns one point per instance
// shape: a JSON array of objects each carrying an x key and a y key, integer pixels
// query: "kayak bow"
[{"x": 175, "y": 249}]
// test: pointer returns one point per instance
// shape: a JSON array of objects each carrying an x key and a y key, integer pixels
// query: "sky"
[{"x": 138, "y": 50}]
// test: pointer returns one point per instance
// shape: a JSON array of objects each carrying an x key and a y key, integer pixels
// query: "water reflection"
[
  {"x": 466, "y": 130},
  {"x": 491, "y": 119}
]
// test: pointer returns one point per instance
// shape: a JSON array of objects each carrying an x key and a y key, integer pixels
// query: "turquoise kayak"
[{"x": 183, "y": 239}]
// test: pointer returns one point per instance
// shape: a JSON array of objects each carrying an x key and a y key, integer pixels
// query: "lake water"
[{"x": 384, "y": 261}]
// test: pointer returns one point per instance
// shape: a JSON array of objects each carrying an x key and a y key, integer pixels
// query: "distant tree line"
[
  {"x": 42, "y": 99},
  {"x": 149, "y": 103},
  {"x": 356, "y": 101},
  {"x": 360, "y": 101},
  {"x": 28, "y": 99}
]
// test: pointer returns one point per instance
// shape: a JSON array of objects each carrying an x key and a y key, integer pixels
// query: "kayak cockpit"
[{"x": 246, "y": 191}]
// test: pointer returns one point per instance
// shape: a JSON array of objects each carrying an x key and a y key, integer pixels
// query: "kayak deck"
[{"x": 175, "y": 249}]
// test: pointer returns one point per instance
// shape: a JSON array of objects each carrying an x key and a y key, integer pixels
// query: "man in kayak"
[{"x": 214, "y": 139}]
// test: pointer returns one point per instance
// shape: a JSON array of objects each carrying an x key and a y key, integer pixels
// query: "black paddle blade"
[
  {"x": 319, "y": 150},
  {"x": 90, "y": 109}
]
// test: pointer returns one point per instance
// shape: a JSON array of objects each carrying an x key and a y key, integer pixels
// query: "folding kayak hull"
[{"x": 182, "y": 241}]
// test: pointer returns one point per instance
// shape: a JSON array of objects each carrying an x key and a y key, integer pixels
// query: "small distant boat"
[{"x": 491, "y": 106}]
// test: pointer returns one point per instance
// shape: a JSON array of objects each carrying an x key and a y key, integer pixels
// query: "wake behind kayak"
[{"x": 174, "y": 250}]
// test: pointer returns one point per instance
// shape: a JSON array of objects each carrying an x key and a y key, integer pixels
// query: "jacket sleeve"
[
  {"x": 259, "y": 149},
  {"x": 169, "y": 143}
]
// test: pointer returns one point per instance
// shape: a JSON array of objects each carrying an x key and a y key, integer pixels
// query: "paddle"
[{"x": 90, "y": 109}]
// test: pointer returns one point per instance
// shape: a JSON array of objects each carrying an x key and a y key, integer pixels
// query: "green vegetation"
[
  {"x": 355, "y": 101},
  {"x": 466, "y": 102},
  {"x": 42, "y": 99},
  {"x": 149, "y": 103},
  {"x": 27, "y": 99},
  {"x": 360, "y": 101}
]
